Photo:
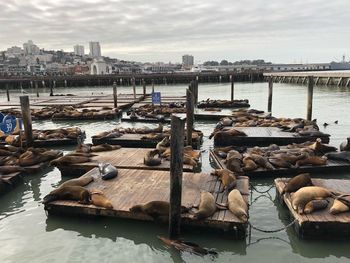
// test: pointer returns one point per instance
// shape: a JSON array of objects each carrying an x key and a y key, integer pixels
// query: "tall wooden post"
[
  {"x": 65, "y": 83},
  {"x": 152, "y": 86},
  {"x": 269, "y": 102},
  {"x": 27, "y": 120},
  {"x": 36, "y": 88},
  {"x": 232, "y": 88},
  {"x": 189, "y": 116},
  {"x": 7, "y": 92},
  {"x": 144, "y": 87},
  {"x": 310, "y": 94},
  {"x": 176, "y": 168},
  {"x": 115, "y": 96},
  {"x": 134, "y": 87}
]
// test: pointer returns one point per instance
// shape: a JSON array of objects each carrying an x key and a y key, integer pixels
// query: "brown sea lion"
[
  {"x": 312, "y": 160},
  {"x": 8, "y": 169},
  {"x": 156, "y": 209},
  {"x": 82, "y": 147},
  {"x": 321, "y": 148},
  {"x": 234, "y": 165},
  {"x": 228, "y": 179},
  {"x": 261, "y": 161},
  {"x": 315, "y": 205},
  {"x": 104, "y": 147},
  {"x": 226, "y": 134},
  {"x": 81, "y": 181},
  {"x": 150, "y": 159},
  {"x": 99, "y": 199},
  {"x": 237, "y": 205},
  {"x": 30, "y": 158},
  {"x": 279, "y": 163},
  {"x": 249, "y": 164},
  {"x": 338, "y": 207},
  {"x": 234, "y": 154},
  {"x": 207, "y": 206},
  {"x": 304, "y": 195},
  {"x": 297, "y": 182},
  {"x": 345, "y": 146},
  {"x": 163, "y": 144},
  {"x": 290, "y": 157},
  {"x": 152, "y": 136},
  {"x": 223, "y": 149},
  {"x": 76, "y": 193},
  {"x": 66, "y": 160}
]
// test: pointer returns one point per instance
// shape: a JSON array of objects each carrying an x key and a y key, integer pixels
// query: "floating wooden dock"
[
  {"x": 332, "y": 166},
  {"x": 133, "y": 187},
  {"x": 124, "y": 158},
  {"x": 14, "y": 179},
  {"x": 134, "y": 140},
  {"x": 50, "y": 142},
  {"x": 146, "y": 120},
  {"x": 264, "y": 136},
  {"x": 320, "y": 224}
]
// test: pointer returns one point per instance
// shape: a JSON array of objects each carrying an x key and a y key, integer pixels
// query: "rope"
[
  {"x": 275, "y": 230},
  {"x": 261, "y": 192}
]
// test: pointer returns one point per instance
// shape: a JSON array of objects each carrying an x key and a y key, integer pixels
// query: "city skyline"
[{"x": 312, "y": 31}]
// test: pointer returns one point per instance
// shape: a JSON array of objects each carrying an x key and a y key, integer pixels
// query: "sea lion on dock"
[
  {"x": 81, "y": 181},
  {"x": 99, "y": 199},
  {"x": 312, "y": 160},
  {"x": 8, "y": 169},
  {"x": 279, "y": 163},
  {"x": 66, "y": 160},
  {"x": 228, "y": 179},
  {"x": 207, "y": 206},
  {"x": 104, "y": 148},
  {"x": 76, "y": 193},
  {"x": 163, "y": 144},
  {"x": 249, "y": 164},
  {"x": 237, "y": 205},
  {"x": 338, "y": 207},
  {"x": 224, "y": 135},
  {"x": 150, "y": 159},
  {"x": 343, "y": 156},
  {"x": 297, "y": 182},
  {"x": 234, "y": 165},
  {"x": 315, "y": 205},
  {"x": 261, "y": 161},
  {"x": 158, "y": 210},
  {"x": 304, "y": 195},
  {"x": 345, "y": 146},
  {"x": 319, "y": 148}
]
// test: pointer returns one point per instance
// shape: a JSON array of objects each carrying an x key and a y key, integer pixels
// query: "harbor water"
[{"x": 27, "y": 234}]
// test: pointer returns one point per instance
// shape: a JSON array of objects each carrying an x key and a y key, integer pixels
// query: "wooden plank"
[{"x": 133, "y": 187}]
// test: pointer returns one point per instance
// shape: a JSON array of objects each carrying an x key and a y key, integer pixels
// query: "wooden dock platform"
[
  {"x": 320, "y": 224},
  {"x": 123, "y": 158},
  {"x": 332, "y": 166},
  {"x": 264, "y": 136},
  {"x": 133, "y": 187},
  {"x": 14, "y": 179}
]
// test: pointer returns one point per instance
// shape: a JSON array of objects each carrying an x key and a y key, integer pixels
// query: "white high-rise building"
[
  {"x": 30, "y": 48},
  {"x": 95, "y": 49},
  {"x": 79, "y": 50},
  {"x": 187, "y": 60}
]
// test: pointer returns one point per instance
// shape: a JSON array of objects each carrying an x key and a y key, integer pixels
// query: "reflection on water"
[{"x": 28, "y": 235}]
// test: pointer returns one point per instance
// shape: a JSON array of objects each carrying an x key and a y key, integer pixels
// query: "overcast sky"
[{"x": 163, "y": 30}]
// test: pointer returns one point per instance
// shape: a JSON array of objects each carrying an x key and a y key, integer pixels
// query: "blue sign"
[
  {"x": 156, "y": 98},
  {"x": 8, "y": 124}
]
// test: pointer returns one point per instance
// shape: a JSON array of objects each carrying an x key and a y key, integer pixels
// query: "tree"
[{"x": 224, "y": 62}]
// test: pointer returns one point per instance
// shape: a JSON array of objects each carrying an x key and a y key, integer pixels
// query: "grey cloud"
[{"x": 155, "y": 30}]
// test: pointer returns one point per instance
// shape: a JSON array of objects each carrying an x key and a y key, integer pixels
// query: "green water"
[{"x": 28, "y": 235}]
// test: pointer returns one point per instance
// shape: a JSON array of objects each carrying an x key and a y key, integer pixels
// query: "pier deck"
[
  {"x": 264, "y": 136},
  {"x": 320, "y": 224},
  {"x": 133, "y": 187},
  {"x": 124, "y": 158},
  {"x": 13, "y": 178}
]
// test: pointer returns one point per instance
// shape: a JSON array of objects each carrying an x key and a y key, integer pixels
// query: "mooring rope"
[
  {"x": 275, "y": 230},
  {"x": 261, "y": 192}
]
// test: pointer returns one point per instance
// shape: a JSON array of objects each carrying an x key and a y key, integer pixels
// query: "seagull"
[
  {"x": 325, "y": 124},
  {"x": 336, "y": 122}
]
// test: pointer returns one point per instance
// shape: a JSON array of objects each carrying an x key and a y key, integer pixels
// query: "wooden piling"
[
  {"x": 196, "y": 92},
  {"x": 310, "y": 93},
  {"x": 134, "y": 87},
  {"x": 7, "y": 92},
  {"x": 27, "y": 120},
  {"x": 232, "y": 87},
  {"x": 176, "y": 169},
  {"x": 144, "y": 87},
  {"x": 36, "y": 88},
  {"x": 269, "y": 102},
  {"x": 115, "y": 96},
  {"x": 51, "y": 87},
  {"x": 152, "y": 86},
  {"x": 189, "y": 116}
]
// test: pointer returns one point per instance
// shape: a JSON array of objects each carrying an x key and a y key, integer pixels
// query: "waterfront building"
[
  {"x": 187, "y": 61},
  {"x": 95, "y": 49},
  {"x": 79, "y": 50}
]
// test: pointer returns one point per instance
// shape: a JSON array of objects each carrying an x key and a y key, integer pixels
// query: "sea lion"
[
  {"x": 234, "y": 165},
  {"x": 224, "y": 135},
  {"x": 99, "y": 199},
  {"x": 76, "y": 193},
  {"x": 107, "y": 171},
  {"x": 163, "y": 144},
  {"x": 343, "y": 156},
  {"x": 315, "y": 205},
  {"x": 156, "y": 209},
  {"x": 234, "y": 154},
  {"x": 237, "y": 205},
  {"x": 261, "y": 161},
  {"x": 228, "y": 179},
  {"x": 279, "y": 163},
  {"x": 81, "y": 181},
  {"x": 150, "y": 159},
  {"x": 292, "y": 159},
  {"x": 30, "y": 158},
  {"x": 66, "y": 160},
  {"x": 304, "y": 195},
  {"x": 321, "y": 148},
  {"x": 207, "y": 206},
  {"x": 8, "y": 169},
  {"x": 345, "y": 146},
  {"x": 104, "y": 147},
  {"x": 297, "y": 182},
  {"x": 312, "y": 160},
  {"x": 223, "y": 149},
  {"x": 249, "y": 164},
  {"x": 338, "y": 207}
]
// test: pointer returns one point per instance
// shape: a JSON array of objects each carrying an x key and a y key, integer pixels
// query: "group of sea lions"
[
  {"x": 274, "y": 157},
  {"x": 307, "y": 198},
  {"x": 157, "y": 111},
  {"x": 60, "y": 133},
  {"x": 154, "y": 157},
  {"x": 74, "y": 190},
  {"x": 223, "y": 103}
]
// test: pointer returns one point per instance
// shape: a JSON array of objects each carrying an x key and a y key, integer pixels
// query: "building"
[
  {"x": 14, "y": 51},
  {"x": 99, "y": 67},
  {"x": 187, "y": 61},
  {"x": 79, "y": 50},
  {"x": 95, "y": 49},
  {"x": 30, "y": 48}
]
